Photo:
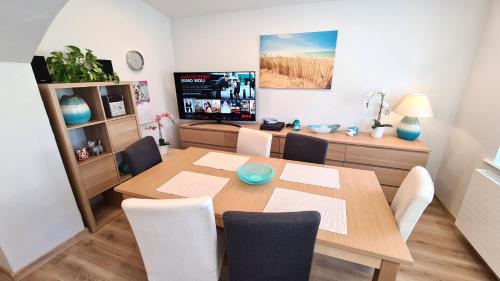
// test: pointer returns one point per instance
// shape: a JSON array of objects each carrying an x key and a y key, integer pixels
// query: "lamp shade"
[{"x": 415, "y": 105}]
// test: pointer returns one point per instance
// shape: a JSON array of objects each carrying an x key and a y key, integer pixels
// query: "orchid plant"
[
  {"x": 383, "y": 107},
  {"x": 159, "y": 124}
]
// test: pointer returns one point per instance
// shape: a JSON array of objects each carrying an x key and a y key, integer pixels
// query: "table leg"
[{"x": 387, "y": 272}]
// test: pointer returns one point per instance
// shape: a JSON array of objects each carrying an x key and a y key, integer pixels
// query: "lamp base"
[{"x": 408, "y": 128}]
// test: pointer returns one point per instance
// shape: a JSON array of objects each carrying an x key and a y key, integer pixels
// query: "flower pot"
[
  {"x": 378, "y": 132},
  {"x": 163, "y": 149}
]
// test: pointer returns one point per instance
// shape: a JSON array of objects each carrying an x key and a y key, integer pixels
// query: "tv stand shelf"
[{"x": 390, "y": 158}]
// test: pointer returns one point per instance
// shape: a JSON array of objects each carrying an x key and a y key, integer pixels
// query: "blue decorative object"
[
  {"x": 296, "y": 125},
  {"x": 255, "y": 173},
  {"x": 324, "y": 129},
  {"x": 408, "y": 128},
  {"x": 75, "y": 110},
  {"x": 352, "y": 131}
]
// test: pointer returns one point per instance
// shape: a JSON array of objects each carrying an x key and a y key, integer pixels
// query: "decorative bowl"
[
  {"x": 324, "y": 129},
  {"x": 255, "y": 173}
]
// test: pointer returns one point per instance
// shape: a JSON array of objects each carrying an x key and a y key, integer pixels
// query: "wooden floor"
[{"x": 440, "y": 253}]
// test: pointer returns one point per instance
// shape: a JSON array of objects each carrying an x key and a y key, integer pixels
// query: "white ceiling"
[{"x": 191, "y": 8}]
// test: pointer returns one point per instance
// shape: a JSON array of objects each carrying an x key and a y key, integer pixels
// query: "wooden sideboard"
[{"x": 390, "y": 158}]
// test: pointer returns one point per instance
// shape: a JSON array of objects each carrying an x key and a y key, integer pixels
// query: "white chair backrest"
[
  {"x": 254, "y": 142},
  {"x": 414, "y": 195},
  {"x": 177, "y": 238}
]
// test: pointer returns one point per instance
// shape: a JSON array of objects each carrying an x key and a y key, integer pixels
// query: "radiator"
[{"x": 479, "y": 217}]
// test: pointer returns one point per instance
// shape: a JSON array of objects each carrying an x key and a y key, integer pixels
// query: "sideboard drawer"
[
  {"x": 123, "y": 132},
  {"x": 231, "y": 139},
  {"x": 203, "y": 136},
  {"x": 276, "y": 155},
  {"x": 386, "y": 176},
  {"x": 99, "y": 176},
  {"x": 275, "y": 145},
  {"x": 334, "y": 163},
  {"x": 394, "y": 158},
  {"x": 389, "y": 192},
  {"x": 186, "y": 144},
  {"x": 336, "y": 152}
]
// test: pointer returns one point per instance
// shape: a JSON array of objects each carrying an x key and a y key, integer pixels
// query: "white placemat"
[
  {"x": 321, "y": 176},
  {"x": 189, "y": 184},
  {"x": 332, "y": 210},
  {"x": 222, "y": 161}
]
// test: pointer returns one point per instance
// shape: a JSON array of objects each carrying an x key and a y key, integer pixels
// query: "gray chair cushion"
[
  {"x": 305, "y": 148},
  {"x": 270, "y": 246},
  {"x": 142, "y": 155}
]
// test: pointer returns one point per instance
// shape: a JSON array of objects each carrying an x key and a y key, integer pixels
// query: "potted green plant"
[
  {"x": 378, "y": 127},
  {"x": 77, "y": 66}
]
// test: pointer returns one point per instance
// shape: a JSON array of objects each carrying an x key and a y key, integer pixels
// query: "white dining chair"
[
  {"x": 254, "y": 142},
  {"x": 414, "y": 195},
  {"x": 177, "y": 238}
]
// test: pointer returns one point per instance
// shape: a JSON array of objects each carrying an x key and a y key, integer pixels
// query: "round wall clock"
[{"x": 135, "y": 60}]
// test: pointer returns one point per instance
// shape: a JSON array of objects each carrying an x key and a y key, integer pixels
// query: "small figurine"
[
  {"x": 352, "y": 131},
  {"x": 95, "y": 149},
  {"x": 82, "y": 154}
]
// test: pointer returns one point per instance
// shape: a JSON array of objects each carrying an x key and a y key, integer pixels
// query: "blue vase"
[
  {"x": 296, "y": 125},
  {"x": 75, "y": 110},
  {"x": 408, "y": 128}
]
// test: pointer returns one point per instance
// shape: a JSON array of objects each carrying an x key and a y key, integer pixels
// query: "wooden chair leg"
[{"x": 387, "y": 272}]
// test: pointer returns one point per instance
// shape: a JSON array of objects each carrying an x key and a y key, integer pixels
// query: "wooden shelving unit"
[{"x": 93, "y": 179}]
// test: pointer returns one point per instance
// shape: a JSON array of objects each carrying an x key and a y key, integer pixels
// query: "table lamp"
[{"x": 413, "y": 106}]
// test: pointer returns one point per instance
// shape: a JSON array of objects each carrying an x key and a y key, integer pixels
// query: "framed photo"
[{"x": 298, "y": 60}]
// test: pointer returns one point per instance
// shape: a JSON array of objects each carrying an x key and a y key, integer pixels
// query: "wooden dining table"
[{"x": 373, "y": 238}]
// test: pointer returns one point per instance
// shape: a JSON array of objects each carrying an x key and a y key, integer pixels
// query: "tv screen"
[{"x": 221, "y": 96}]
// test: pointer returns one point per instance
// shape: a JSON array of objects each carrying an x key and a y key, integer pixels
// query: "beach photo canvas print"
[{"x": 298, "y": 60}]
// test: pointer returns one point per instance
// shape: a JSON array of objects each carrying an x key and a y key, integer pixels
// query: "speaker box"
[
  {"x": 107, "y": 66},
  {"x": 40, "y": 70}
]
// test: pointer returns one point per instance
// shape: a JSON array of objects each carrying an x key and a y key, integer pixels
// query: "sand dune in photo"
[{"x": 296, "y": 72}]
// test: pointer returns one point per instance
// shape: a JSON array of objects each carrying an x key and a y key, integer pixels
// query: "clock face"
[{"x": 135, "y": 60}]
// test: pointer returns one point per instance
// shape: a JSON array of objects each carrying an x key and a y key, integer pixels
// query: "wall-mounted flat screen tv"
[{"x": 221, "y": 96}]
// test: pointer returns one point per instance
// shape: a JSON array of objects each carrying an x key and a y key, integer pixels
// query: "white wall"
[
  {"x": 405, "y": 46},
  {"x": 476, "y": 134},
  {"x": 112, "y": 28},
  {"x": 38, "y": 208},
  {"x": 4, "y": 263},
  {"x": 22, "y": 25}
]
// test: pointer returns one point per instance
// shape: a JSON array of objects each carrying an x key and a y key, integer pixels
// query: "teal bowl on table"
[
  {"x": 324, "y": 129},
  {"x": 255, "y": 173}
]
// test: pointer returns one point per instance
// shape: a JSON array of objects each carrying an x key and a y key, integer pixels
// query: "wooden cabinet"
[
  {"x": 390, "y": 158},
  {"x": 123, "y": 132},
  {"x": 99, "y": 176},
  {"x": 336, "y": 152},
  {"x": 395, "y": 158},
  {"x": 386, "y": 176},
  {"x": 92, "y": 180}
]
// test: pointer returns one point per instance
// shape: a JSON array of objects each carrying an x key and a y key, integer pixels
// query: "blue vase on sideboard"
[
  {"x": 408, "y": 128},
  {"x": 75, "y": 110}
]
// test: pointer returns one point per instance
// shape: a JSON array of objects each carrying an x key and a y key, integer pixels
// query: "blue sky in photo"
[{"x": 322, "y": 44}]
